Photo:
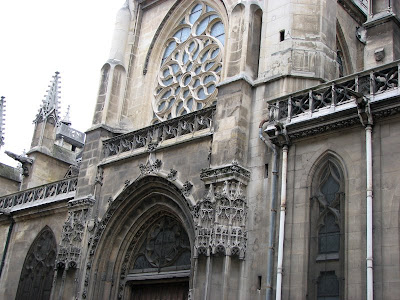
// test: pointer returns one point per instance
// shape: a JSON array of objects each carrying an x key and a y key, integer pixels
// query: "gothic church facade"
[{"x": 238, "y": 150}]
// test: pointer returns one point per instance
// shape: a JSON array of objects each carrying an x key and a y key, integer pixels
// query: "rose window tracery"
[{"x": 191, "y": 65}]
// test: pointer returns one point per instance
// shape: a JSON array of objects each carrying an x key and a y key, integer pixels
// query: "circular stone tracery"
[{"x": 191, "y": 65}]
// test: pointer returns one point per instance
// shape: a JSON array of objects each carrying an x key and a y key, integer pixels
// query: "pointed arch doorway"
[
  {"x": 143, "y": 244},
  {"x": 160, "y": 267}
]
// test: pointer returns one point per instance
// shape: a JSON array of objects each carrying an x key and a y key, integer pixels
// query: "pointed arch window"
[
  {"x": 327, "y": 232},
  {"x": 38, "y": 269},
  {"x": 328, "y": 286},
  {"x": 190, "y": 65}
]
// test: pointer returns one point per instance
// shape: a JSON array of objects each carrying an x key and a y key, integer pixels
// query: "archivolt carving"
[
  {"x": 94, "y": 240},
  {"x": 191, "y": 64}
]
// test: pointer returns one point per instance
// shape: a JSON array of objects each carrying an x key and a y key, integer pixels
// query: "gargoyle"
[{"x": 24, "y": 160}]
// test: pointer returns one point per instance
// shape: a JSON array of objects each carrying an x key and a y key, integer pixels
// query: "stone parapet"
[
  {"x": 336, "y": 104},
  {"x": 40, "y": 195},
  {"x": 154, "y": 136}
]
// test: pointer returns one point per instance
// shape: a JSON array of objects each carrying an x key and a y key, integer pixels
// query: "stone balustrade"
[
  {"x": 335, "y": 95},
  {"x": 151, "y": 136},
  {"x": 47, "y": 193}
]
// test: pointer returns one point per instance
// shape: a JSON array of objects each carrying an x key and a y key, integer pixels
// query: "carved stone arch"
[
  {"x": 342, "y": 51},
  {"x": 327, "y": 186},
  {"x": 38, "y": 268},
  {"x": 320, "y": 161},
  {"x": 134, "y": 211}
]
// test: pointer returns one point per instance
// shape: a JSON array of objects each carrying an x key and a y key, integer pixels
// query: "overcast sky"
[{"x": 40, "y": 37}]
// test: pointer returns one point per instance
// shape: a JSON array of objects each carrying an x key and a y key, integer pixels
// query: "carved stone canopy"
[{"x": 232, "y": 171}]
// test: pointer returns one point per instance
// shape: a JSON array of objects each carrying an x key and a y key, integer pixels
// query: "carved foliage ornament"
[{"x": 191, "y": 64}]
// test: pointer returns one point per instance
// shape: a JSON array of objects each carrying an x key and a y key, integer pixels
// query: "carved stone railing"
[
  {"x": 41, "y": 194},
  {"x": 334, "y": 96},
  {"x": 153, "y": 135}
]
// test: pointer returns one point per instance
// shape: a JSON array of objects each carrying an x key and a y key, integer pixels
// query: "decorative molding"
[
  {"x": 228, "y": 172},
  {"x": 150, "y": 167},
  {"x": 187, "y": 188},
  {"x": 79, "y": 203},
  {"x": 172, "y": 175}
]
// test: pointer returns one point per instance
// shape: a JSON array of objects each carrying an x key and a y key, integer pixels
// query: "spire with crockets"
[
  {"x": 50, "y": 106},
  {"x": 2, "y": 119}
]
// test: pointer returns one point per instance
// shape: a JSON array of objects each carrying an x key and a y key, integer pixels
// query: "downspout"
[
  {"x": 272, "y": 214},
  {"x": 370, "y": 262},
  {"x": 282, "y": 223},
  {"x": 365, "y": 115},
  {"x": 10, "y": 228}
]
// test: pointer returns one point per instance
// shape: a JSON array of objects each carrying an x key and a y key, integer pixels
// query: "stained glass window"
[
  {"x": 328, "y": 286},
  {"x": 191, "y": 64}
]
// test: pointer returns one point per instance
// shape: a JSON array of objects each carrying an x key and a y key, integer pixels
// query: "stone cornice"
[{"x": 224, "y": 173}]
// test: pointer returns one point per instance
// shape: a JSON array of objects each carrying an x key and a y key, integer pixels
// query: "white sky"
[{"x": 40, "y": 37}]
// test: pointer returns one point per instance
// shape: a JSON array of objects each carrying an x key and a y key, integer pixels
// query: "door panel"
[{"x": 160, "y": 291}]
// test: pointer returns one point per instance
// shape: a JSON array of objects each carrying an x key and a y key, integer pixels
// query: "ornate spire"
[
  {"x": 2, "y": 119},
  {"x": 50, "y": 104},
  {"x": 67, "y": 119}
]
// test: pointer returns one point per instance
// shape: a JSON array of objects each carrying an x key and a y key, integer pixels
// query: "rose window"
[{"x": 191, "y": 65}]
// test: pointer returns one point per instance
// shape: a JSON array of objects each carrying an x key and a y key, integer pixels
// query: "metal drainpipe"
[
  {"x": 3, "y": 259},
  {"x": 272, "y": 215},
  {"x": 370, "y": 270},
  {"x": 365, "y": 115},
  {"x": 282, "y": 223}
]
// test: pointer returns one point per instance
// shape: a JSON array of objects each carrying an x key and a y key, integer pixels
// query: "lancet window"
[
  {"x": 37, "y": 273},
  {"x": 327, "y": 232},
  {"x": 190, "y": 65}
]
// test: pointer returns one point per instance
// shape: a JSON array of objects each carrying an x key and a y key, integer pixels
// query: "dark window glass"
[
  {"x": 329, "y": 236},
  {"x": 328, "y": 286}
]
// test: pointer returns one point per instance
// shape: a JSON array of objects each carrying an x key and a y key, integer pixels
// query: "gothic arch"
[
  {"x": 37, "y": 272},
  {"x": 327, "y": 186},
  {"x": 343, "y": 53},
  {"x": 124, "y": 228}
]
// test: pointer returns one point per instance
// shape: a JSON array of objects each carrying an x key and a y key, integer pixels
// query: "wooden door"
[{"x": 160, "y": 291}]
